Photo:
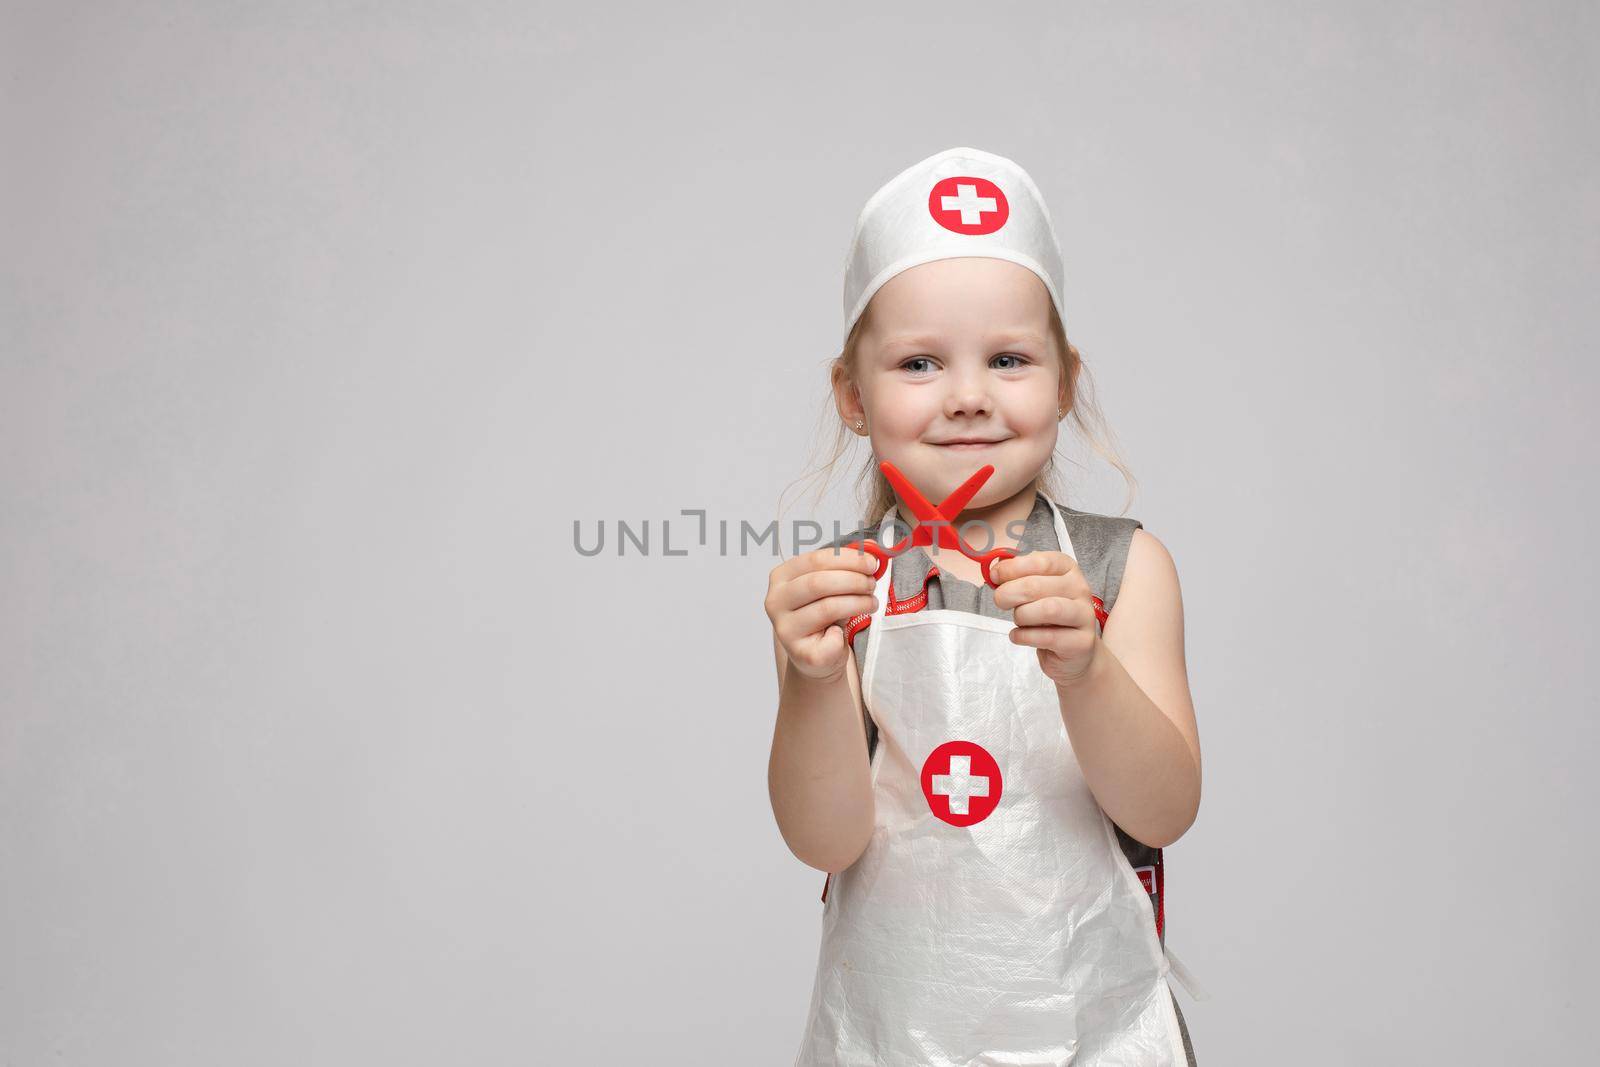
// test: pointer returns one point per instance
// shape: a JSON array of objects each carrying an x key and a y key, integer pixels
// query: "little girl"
[{"x": 986, "y": 759}]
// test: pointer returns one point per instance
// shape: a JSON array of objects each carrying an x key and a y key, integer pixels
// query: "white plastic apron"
[{"x": 1022, "y": 939}]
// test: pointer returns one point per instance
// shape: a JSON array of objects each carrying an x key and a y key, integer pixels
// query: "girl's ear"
[
  {"x": 846, "y": 397},
  {"x": 1069, "y": 387}
]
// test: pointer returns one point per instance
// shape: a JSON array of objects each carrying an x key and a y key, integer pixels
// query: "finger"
[
  {"x": 830, "y": 644},
  {"x": 836, "y": 556},
  {"x": 815, "y": 617},
  {"x": 1039, "y": 562},
  {"x": 1054, "y": 611},
  {"x": 1055, "y": 639},
  {"x": 829, "y": 558},
  {"x": 1035, "y": 636},
  {"x": 803, "y": 590},
  {"x": 1059, "y": 579},
  {"x": 1018, "y": 591},
  {"x": 1038, "y": 586},
  {"x": 827, "y": 649}
]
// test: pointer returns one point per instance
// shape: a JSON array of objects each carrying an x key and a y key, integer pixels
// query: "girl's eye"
[{"x": 1017, "y": 360}]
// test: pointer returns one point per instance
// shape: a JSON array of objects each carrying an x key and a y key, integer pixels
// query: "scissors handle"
[
  {"x": 872, "y": 548},
  {"x": 988, "y": 559},
  {"x": 985, "y": 560}
]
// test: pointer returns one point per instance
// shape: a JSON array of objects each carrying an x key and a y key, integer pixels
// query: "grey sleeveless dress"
[{"x": 916, "y": 584}]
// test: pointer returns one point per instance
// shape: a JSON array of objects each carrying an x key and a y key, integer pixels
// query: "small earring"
[{"x": 860, "y": 425}]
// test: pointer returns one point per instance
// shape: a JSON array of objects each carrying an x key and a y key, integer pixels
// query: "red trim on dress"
[
  {"x": 915, "y": 602},
  {"x": 1161, "y": 900}
]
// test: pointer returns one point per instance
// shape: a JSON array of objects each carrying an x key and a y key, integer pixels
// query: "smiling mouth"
[{"x": 968, "y": 445}]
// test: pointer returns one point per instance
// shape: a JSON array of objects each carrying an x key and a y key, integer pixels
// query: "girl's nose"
[{"x": 968, "y": 398}]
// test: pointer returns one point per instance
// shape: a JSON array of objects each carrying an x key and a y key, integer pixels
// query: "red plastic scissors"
[{"x": 934, "y": 523}]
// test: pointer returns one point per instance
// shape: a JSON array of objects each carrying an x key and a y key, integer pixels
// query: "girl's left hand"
[{"x": 1054, "y": 611}]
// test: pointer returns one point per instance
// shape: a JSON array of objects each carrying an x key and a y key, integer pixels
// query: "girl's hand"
[
  {"x": 806, "y": 598},
  {"x": 1053, "y": 608}
]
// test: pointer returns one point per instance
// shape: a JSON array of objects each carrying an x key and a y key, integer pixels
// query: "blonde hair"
[{"x": 873, "y": 489}]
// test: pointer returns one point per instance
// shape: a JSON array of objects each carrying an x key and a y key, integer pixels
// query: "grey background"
[{"x": 321, "y": 324}]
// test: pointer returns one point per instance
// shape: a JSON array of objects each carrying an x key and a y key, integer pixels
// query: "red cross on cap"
[
  {"x": 961, "y": 782},
  {"x": 968, "y": 205}
]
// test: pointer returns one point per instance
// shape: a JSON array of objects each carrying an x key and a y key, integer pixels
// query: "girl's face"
[{"x": 956, "y": 351}]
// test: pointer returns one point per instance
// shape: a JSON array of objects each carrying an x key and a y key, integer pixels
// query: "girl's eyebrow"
[
  {"x": 909, "y": 341},
  {"x": 1027, "y": 337},
  {"x": 1002, "y": 338}
]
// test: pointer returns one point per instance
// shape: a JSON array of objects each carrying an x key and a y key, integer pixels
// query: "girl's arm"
[
  {"x": 818, "y": 777},
  {"x": 1130, "y": 717}
]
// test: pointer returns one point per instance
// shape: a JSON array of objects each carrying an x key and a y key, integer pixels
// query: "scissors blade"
[
  {"x": 952, "y": 506},
  {"x": 956, "y": 502},
  {"x": 928, "y": 517},
  {"x": 914, "y": 500},
  {"x": 936, "y": 523}
]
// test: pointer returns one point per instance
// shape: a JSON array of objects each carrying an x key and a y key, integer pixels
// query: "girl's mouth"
[{"x": 967, "y": 446}]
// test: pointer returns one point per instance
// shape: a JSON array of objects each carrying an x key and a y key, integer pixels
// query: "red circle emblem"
[
  {"x": 968, "y": 205},
  {"x": 962, "y": 782}
]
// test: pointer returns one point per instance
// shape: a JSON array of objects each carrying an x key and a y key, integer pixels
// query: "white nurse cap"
[{"x": 959, "y": 202}]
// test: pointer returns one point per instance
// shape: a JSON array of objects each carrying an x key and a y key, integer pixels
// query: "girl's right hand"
[{"x": 806, "y": 598}]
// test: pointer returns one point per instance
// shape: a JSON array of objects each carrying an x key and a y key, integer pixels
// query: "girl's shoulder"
[{"x": 1096, "y": 519}]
